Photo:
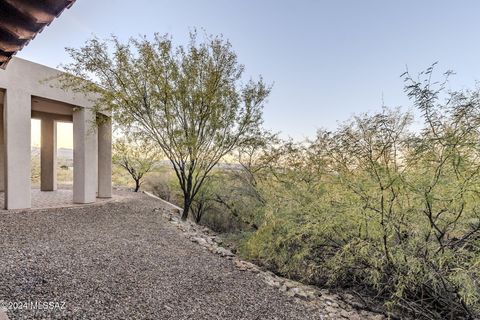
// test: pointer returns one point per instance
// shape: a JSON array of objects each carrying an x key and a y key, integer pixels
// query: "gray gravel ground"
[{"x": 123, "y": 260}]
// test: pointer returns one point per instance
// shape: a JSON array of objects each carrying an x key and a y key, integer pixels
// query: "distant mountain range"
[
  {"x": 65, "y": 153},
  {"x": 62, "y": 153},
  {"x": 65, "y": 156}
]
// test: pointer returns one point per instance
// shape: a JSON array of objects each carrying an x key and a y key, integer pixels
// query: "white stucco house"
[{"x": 25, "y": 94}]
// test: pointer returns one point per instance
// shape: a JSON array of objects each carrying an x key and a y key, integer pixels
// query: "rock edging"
[{"x": 332, "y": 305}]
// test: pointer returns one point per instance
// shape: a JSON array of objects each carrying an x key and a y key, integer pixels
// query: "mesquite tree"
[
  {"x": 189, "y": 99},
  {"x": 137, "y": 157}
]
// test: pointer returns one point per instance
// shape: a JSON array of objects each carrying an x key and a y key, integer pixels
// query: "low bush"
[
  {"x": 373, "y": 206},
  {"x": 380, "y": 208}
]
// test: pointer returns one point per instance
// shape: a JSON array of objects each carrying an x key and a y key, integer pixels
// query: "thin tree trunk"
[
  {"x": 137, "y": 185},
  {"x": 186, "y": 207},
  {"x": 198, "y": 216}
]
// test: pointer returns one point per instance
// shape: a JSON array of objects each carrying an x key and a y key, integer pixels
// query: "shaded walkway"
[{"x": 50, "y": 199}]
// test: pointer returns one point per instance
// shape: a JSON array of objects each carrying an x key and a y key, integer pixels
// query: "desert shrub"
[
  {"x": 224, "y": 202},
  {"x": 35, "y": 168},
  {"x": 381, "y": 208},
  {"x": 161, "y": 187},
  {"x": 136, "y": 156},
  {"x": 120, "y": 177},
  {"x": 64, "y": 174},
  {"x": 228, "y": 203},
  {"x": 163, "y": 183}
]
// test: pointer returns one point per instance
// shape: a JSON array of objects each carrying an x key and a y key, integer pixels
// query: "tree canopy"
[
  {"x": 137, "y": 157},
  {"x": 190, "y": 100}
]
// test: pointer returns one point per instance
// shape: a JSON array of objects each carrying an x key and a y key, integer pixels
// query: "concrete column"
[
  {"x": 48, "y": 155},
  {"x": 2, "y": 151},
  {"x": 105, "y": 159},
  {"x": 84, "y": 156},
  {"x": 16, "y": 114}
]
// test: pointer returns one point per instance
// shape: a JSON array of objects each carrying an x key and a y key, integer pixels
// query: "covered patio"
[
  {"x": 31, "y": 91},
  {"x": 62, "y": 197}
]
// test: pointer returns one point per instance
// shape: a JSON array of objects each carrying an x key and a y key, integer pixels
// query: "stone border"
[
  {"x": 331, "y": 305},
  {"x": 180, "y": 210}
]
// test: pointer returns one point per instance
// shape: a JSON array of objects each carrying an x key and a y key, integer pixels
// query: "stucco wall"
[
  {"x": 31, "y": 78},
  {"x": 32, "y": 90}
]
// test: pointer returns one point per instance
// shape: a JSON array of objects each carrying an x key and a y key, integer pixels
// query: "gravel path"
[{"x": 124, "y": 260}]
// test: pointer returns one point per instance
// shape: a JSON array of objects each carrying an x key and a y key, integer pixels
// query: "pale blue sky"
[{"x": 328, "y": 59}]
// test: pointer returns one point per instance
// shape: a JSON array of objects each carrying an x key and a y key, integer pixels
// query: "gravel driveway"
[{"x": 123, "y": 260}]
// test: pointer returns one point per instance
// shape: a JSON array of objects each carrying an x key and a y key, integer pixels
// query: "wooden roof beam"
[
  {"x": 35, "y": 12},
  {"x": 9, "y": 46},
  {"x": 22, "y": 20},
  {"x": 17, "y": 30}
]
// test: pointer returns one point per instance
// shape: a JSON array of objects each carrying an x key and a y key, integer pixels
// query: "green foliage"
[
  {"x": 35, "y": 169},
  {"x": 64, "y": 173},
  {"x": 372, "y": 205},
  {"x": 189, "y": 100},
  {"x": 164, "y": 183},
  {"x": 136, "y": 157},
  {"x": 227, "y": 202},
  {"x": 378, "y": 207}
]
